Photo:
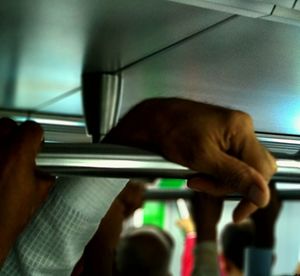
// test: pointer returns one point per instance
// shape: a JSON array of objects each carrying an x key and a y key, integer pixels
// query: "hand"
[
  {"x": 108, "y": 234},
  {"x": 22, "y": 187},
  {"x": 219, "y": 143},
  {"x": 187, "y": 225},
  {"x": 265, "y": 219},
  {"x": 131, "y": 197},
  {"x": 124, "y": 205},
  {"x": 207, "y": 211}
]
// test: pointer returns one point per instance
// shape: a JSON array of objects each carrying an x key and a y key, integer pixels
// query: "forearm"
[
  {"x": 264, "y": 237},
  {"x": 206, "y": 233},
  {"x": 98, "y": 256},
  {"x": 7, "y": 241},
  {"x": 4, "y": 251},
  {"x": 206, "y": 259},
  {"x": 98, "y": 261}
]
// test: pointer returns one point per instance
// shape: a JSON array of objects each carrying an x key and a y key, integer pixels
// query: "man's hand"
[
  {"x": 207, "y": 211},
  {"x": 22, "y": 187},
  {"x": 129, "y": 199},
  {"x": 219, "y": 143},
  {"x": 265, "y": 219},
  {"x": 98, "y": 257}
]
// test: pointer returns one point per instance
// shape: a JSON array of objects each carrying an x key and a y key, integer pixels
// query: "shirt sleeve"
[
  {"x": 55, "y": 239},
  {"x": 206, "y": 259},
  {"x": 187, "y": 259},
  {"x": 258, "y": 261}
]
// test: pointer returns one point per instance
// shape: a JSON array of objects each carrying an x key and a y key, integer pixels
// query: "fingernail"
[{"x": 256, "y": 196}]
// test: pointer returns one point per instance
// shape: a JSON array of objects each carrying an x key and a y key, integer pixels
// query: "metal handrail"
[{"x": 125, "y": 162}]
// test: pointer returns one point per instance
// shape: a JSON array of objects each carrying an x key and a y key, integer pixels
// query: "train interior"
[{"x": 239, "y": 54}]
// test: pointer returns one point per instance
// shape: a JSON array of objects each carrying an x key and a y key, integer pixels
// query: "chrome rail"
[
  {"x": 124, "y": 162},
  {"x": 174, "y": 194}
]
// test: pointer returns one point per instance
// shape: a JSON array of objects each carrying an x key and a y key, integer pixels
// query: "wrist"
[
  {"x": 206, "y": 234},
  {"x": 264, "y": 240},
  {"x": 5, "y": 246},
  {"x": 264, "y": 236}
]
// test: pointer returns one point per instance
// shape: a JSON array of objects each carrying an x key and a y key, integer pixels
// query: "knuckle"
[
  {"x": 33, "y": 128},
  {"x": 7, "y": 123},
  {"x": 31, "y": 124},
  {"x": 235, "y": 182},
  {"x": 6, "y": 120},
  {"x": 240, "y": 119},
  {"x": 269, "y": 167}
]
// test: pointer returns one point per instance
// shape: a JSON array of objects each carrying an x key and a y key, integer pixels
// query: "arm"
[
  {"x": 259, "y": 257},
  {"x": 218, "y": 143},
  {"x": 207, "y": 211},
  {"x": 98, "y": 257},
  {"x": 22, "y": 187},
  {"x": 187, "y": 259}
]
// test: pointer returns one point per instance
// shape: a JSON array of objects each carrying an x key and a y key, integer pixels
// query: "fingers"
[
  {"x": 7, "y": 126},
  {"x": 240, "y": 177},
  {"x": 45, "y": 182},
  {"x": 244, "y": 209},
  {"x": 255, "y": 155},
  {"x": 206, "y": 185},
  {"x": 27, "y": 133},
  {"x": 232, "y": 175},
  {"x": 29, "y": 137}
]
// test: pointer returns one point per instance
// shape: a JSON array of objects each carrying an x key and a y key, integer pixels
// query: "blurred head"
[
  {"x": 144, "y": 251},
  {"x": 234, "y": 240}
]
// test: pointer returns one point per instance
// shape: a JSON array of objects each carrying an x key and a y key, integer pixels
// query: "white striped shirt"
[{"x": 55, "y": 239}]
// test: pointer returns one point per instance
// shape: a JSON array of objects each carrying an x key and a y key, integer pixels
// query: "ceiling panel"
[
  {"x": 65, "y": 106},
  {"x": 282, "y": 3},
  {"x": 254, "y": 9},
  {"x": 248, "y": 64},
  {"x": 46, "y": 44}
]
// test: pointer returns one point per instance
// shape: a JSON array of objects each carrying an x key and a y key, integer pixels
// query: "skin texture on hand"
[
  {"x": 207, "y": 211},
  {"x": 217, "y": 142},
  {"x": 22, "y": 187}
]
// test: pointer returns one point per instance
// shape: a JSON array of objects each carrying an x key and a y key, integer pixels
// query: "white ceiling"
[
  {"x": 244, "y": 63},
  {"x": 46, "y": 44},
  {"x": 162, "y": 48}
]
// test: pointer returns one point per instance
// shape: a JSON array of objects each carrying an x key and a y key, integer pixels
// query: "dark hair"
[
  {"x": 234, "y": 240},
  {"x": 144, "y": 251}
]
